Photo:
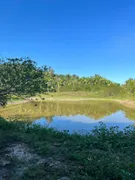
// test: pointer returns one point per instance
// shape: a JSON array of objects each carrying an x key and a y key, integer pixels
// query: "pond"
[{"x": 71, "y": 116}]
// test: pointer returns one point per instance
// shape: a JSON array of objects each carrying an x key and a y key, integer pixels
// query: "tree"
[
  {"x": 130, "y": 86},
  {"x": 49, "y": 78},
  {"x": 20, "y": 77}
]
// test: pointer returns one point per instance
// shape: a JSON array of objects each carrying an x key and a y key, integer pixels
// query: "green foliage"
[
  {"x": 23, "y": 77},
  {"x": 96, "y": 84},
  {"x": 19, "y": 77},
  {"x": 74, "y": 83},
  {"x": 103, "y": 154},
  {"x": 130, "y": 86}
]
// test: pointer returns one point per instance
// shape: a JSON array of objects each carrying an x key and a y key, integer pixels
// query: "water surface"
[{"x": 71, "y": 116}]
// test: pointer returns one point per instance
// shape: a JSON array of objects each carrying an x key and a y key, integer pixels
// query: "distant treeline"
[
  {"x": 22, "y": 76},
  {"x": 98, "y": 84}
]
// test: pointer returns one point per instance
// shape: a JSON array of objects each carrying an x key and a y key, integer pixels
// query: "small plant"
[{"x": 106, "y": 153}]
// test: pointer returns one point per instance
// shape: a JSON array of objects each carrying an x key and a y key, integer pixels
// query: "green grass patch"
[
  {"x": 81, "y": 94},
  {"x": 103, "y": 154}
]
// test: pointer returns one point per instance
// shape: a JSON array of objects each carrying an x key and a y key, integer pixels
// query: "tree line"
[{"x": 22, "y": 77}]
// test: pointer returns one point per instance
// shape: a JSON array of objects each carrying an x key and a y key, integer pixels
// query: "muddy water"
[{"x": 71, "y": 116}]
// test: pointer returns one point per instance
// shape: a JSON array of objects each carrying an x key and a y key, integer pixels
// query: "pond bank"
[
  {"x": 126, "y": 103},
  {"x": 40, "y": 153}
]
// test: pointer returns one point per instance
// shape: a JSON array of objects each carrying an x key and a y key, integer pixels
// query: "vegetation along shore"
[
  {"x": 31, "y": 152},
  {"x": 22, "y": 77},
  {"x": 41, "y": 153}
]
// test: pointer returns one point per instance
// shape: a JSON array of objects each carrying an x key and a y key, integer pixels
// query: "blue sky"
[{"x": 80, "y": 37}]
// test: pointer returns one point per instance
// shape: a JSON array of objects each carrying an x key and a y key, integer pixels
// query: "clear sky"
[{"x": 83, "y": 37}]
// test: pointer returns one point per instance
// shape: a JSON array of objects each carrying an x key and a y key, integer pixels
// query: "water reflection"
[
  {"x": 71, "y": 115},
  {"x": 81, "y": 122}
]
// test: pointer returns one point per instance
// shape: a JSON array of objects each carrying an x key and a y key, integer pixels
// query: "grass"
[
  {"x": 105, "y": 154},
  {"x": 76, "y": 96},
  {"x": 79, "y": 95},
  {"x": 125, "y": 99}
]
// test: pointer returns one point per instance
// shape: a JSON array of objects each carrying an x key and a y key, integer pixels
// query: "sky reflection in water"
[
  {"x": 81, "y": 122},
  {"x": 72, "y": 116}
]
